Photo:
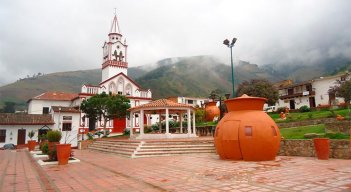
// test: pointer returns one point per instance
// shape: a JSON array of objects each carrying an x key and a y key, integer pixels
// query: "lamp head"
[
  {"x": 227, "y": 95},
  {"x": 226, "y": 42},
  {"x": 233, "y": 41}
]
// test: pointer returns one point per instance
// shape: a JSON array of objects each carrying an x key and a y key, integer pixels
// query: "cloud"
[{"x": 50, "y": 36}]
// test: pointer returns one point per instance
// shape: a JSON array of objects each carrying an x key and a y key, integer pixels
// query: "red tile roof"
[
  {"x": 65, "y": 109},
  {"x": 57, "y": 96},
  {"x": 162, "y": 103},
  {"x": 25, "y": 119}
]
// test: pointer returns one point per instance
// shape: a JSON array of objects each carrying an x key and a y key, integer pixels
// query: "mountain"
[
  {"x": 196, "y": 76},
  {"x": 183, "y": 76}
]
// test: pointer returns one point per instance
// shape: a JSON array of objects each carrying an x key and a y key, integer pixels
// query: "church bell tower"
[{"x": 114, "y": 53}]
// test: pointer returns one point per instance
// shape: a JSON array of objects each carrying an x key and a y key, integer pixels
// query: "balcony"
[{"x": 294, "y": 95}]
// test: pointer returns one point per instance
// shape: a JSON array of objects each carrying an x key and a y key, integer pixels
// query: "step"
[
  {"x": 117, "y": 146},
  {"x": 177, "y": 143},
  {"x": 176, "y": 146},
  {"x": 175, "y": 149},
  {"x": 129, "y": 154},
  {"x": 142, "y": 153},
  {"x": 118, "y": 142},
  {"x": 112, "y": 148}
]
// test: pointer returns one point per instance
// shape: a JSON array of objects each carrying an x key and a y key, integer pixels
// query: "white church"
[{"x": 59, "y": 110}]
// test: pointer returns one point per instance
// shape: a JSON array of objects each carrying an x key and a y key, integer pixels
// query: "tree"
[
  {"x": 259, "y": 88},
  {"x": 105, "y": 107},
  {"x": 342, "y": 89},
  {"x": 9, "y": 107}
]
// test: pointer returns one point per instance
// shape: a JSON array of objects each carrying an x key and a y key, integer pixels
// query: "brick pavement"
[{"x": 106, "y": 172}]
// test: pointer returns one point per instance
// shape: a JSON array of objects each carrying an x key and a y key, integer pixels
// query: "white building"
[
  {"x": 311, "y": 93},
  {"x": 193, "y": 101},
  {"x": 14, "y": 127}
]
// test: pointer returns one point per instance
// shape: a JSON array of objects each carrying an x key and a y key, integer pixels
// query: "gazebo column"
[
  {"x": 131, "y": 119},
  {"x": 194, "y": 127},
  {"x": 141, "y": 122},
  {"x": 167, "y": 123},
  {"x": 181, "y": 122},
  {"x": 189, "y": 122},
  {"x": 159, "y": 122}
]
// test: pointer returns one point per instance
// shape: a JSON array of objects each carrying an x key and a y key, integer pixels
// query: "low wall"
[
  {"x": 84, "y": 144},
  {"x": 338, "y": 127},
  {"x": 339, "y": 149},
  {"x": 306, "y": 122}
]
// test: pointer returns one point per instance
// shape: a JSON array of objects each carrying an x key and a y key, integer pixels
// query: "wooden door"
[{"x": 21, "y": 137}]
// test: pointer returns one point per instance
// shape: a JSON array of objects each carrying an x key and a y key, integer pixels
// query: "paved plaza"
[{"x": 106, "y": 172}]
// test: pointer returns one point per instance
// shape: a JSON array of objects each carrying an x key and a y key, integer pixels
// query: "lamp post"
[{"x": 231, "y": 45}]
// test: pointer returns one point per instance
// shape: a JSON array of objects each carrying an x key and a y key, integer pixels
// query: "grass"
[
  {"x": 299, "y": 132},
  {"x": 311, "y": 115}
]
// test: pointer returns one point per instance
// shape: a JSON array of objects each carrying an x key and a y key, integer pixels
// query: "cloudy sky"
[{"x": 60, "y": 35}]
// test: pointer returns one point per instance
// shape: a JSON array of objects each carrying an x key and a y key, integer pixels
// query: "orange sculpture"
[
  {"x": 211, "y": 110},
  {"x": 247, "y": 132}
]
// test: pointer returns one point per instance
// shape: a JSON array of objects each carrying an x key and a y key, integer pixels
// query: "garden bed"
[{"x": 49, "y": 162}]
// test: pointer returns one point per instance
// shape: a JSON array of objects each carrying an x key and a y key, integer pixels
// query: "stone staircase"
[{"x": 146, "y": 148}]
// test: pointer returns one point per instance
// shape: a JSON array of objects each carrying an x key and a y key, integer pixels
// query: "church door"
[{"x": 119, "y": 125}]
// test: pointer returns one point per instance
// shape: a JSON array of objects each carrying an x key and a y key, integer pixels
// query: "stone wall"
[
  {"x": 339, "y": 149},
  {"x": 338, "y": 127},
  {"x": 306, "y": 122}
]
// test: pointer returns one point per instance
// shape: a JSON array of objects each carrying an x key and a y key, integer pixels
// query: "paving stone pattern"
[{"x": 100, "y": 171}]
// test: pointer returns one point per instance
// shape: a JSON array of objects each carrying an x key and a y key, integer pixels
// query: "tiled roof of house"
[
  {"x": 65, "y": 109},
  {"x": 57, "y": 96},
  {"x": 163, "y": 103},
  {"x": 25, "y": 119}
]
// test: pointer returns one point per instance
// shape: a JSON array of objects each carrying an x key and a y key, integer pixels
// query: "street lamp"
[{"x": 231, "y": 45}]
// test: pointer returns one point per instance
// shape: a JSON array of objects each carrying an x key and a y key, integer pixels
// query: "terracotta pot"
[
  {"x": 247, "y": 132},
  {"x": 63, "y": 153},
  {"x": 211, "y": 110},
  {"x": 51, "y": 147},
  {"x": 31, "y": 145},
  {"x": 321, "y": 145}
]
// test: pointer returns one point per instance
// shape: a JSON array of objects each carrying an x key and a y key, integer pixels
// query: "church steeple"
[{"x": 114, "y": 53}]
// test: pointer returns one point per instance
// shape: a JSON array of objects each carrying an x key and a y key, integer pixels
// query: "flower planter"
[
  {"x": 63, "y": 153},
  {"x": 211, "y": 111},
  {"x": 31, "y": 145},
  {"x": 321, "y": 146}
]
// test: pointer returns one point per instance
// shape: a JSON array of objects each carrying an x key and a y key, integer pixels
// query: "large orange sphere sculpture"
[
  {"x": 211, "y": 110},
  {"x": 246, "y": 131}
]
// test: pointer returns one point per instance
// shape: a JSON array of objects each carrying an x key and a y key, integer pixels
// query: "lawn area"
[
  {"x": 310, "y": 115},
  {"x": 298, "y": 132}
]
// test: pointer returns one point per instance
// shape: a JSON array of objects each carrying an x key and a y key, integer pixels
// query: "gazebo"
[{"x": 166, "y": 107}]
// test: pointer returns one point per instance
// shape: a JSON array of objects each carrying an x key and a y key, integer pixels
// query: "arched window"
[
  {"x": 112, "y": 87},
  {"x": 120, "y": 86},
  {"x": 129, "y": 89}
]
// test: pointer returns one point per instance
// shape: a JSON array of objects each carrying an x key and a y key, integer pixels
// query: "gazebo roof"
[{"x": 161, "y": 103}]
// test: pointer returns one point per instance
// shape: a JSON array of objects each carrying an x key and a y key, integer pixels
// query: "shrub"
[
  {"x": 90, "y": 136},
  {"x": 31, "y": 134},
  {"x": 45, "y": 148},
  {"x": 304, "y": 109},
  {"x": 126, "y": 132},
  {"x": 54, "y": 136},
  {"x": 281, "y": 109}
]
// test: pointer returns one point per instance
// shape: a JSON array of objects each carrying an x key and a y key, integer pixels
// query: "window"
[
  {"x": 190, "y": 101},
  {"x": 67, "y": 118},
  {"x": 66, "y": 126},
  {"x": 45, "y": 110},
  {"x": 2, "y": 135},
  {"x": 248, "y": 131}
]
